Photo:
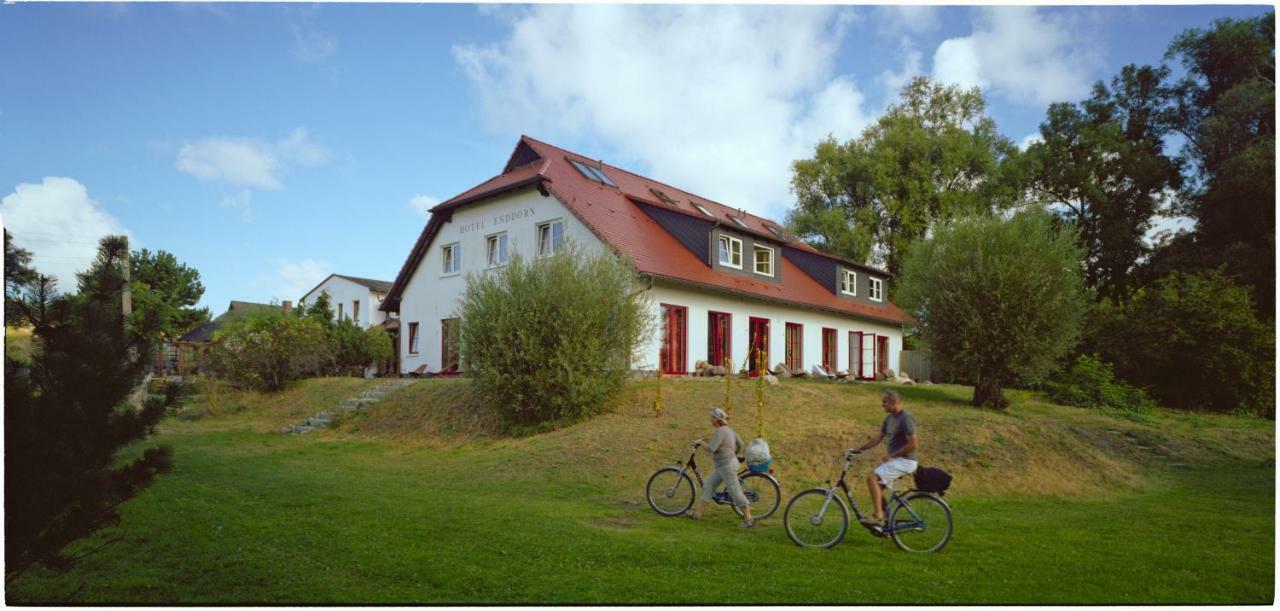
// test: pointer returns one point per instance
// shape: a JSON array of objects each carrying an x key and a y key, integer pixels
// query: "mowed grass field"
[{"x": 421, "y": 499}]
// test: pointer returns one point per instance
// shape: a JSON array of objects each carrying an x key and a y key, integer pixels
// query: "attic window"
[
  {"x": 666, "y": 199},
  {"x": 778, "y": 232},
  {"x": 737, "y": 221},
  {"x": 592, "y": 173},
  {"x": 701, "y": 209}
]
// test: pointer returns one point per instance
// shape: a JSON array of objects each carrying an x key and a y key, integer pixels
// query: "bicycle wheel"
[
  {"x": 928, "y": 529},
  {"x": 670, "y": 492},
  {"x": 809, "y": 525},
  {"x": 763, "y": 492}
]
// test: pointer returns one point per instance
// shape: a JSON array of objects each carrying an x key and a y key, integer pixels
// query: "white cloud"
[
  {"x": 299, "y": 148},
  {"x": 422, "y": 204},
  {"x": 718, "y": 100},
  {"x": 1029, "y": 140},
  {"x": 237, "y": 161},
  {"x": 242, "y": 202},
  {"x": 908, "y": 19},
  {"x": 892, "y": 81},
  {"x": 60, "y": 224},
  {"x": 249, "y": 163},
  {"x": 312, "y": 45},
  {"x": 292, "y": 279},
  {"x": 1023, "y": 54}
]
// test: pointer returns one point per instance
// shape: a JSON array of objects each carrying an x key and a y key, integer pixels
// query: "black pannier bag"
[{"x": 932, "y": 479}]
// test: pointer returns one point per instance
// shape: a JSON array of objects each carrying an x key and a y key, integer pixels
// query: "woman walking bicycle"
[{"x": 724, "y": 446}]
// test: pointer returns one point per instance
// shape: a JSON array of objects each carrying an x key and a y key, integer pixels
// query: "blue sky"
[{"x": 269, "y": 145}]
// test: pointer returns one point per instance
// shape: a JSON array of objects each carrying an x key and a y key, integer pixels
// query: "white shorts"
[{"x": 889, "y": 472}]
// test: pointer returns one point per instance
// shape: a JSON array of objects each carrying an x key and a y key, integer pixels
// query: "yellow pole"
[
  {"x": 657, "y": 400},
  {"x": 728, "y": 384}
]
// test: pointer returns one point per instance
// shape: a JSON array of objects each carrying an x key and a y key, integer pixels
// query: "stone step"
[{"x": 319, "y": 422}]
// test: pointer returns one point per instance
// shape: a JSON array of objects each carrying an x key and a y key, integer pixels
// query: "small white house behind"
[{"x": 352, "y": 298}]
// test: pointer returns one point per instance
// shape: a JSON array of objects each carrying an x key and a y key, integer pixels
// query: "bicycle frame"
[
  {"x": 692, "y": 463},
  {"x": 894, "y": 497}
]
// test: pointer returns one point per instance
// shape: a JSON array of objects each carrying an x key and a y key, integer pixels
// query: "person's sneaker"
[
  {"x": 873, "y": 520},
  {"x": 747, "y": 523},
  {"x": 692, "y": 516}
]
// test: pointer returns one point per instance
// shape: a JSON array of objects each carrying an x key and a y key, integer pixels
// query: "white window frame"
[
  {"x": 852, "y": 277},
  {"x": 451, "y": 253},
  {"x": 731, "y": 242},
  {"x": 755, "y": 261},
  {"x": 876, "y": 292},
  {"x": 702, "y": 209},
  {"x": 554, "y": 248},
  {"x": 502, "y": 244}
]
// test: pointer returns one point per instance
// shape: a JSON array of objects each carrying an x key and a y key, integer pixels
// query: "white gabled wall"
[
  {"x": 430, "y": 296},
  {"x": 700, "y": 303},
  {"x": 345, "y": 292}
]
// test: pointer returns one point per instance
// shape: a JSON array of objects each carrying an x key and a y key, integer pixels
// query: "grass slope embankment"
[{"x": 421, "y": 499}]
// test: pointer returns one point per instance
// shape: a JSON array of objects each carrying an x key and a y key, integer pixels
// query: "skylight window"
[
  {"x": 592, "y": 173},
  {"x": 737, "y": 221},
  {"x": 701, "y": 209},
  {"x": 778, "y": 232},
  {"x": 666, "y": 199}
]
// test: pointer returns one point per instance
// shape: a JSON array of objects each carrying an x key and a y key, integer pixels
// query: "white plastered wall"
[{"x": 345, "y": 292}]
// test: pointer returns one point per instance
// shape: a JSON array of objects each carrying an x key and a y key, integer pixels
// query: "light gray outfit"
[{"x": 724, "y": 447}]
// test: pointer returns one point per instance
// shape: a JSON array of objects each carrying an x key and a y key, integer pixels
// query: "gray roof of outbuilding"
[{"x": 237, "y": 309}]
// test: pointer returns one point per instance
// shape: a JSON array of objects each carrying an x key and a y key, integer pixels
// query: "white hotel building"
[{"x": 722, "y": 283}]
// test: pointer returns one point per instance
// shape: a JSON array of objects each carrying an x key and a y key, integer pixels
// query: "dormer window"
[
  {"x": 704, "y": 211},
  {"x": 848, "y": 282},
  {"x": 778, "y": 232},
  {"x": 764, "y": 260},
  {"x": 592, "y": 173},
  {"x": 876, "y": 293},
  {"x": 737, "y": 221},
  {"x": 730, "y": 252}
]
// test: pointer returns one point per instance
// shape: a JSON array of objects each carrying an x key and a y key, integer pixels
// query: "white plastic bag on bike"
[{"x": 758, "y": 458}]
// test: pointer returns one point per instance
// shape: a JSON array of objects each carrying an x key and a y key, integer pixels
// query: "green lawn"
[{"x": 251, "y": 516}]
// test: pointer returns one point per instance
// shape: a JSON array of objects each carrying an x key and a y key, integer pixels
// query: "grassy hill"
[{"x": 423, "y": 499}]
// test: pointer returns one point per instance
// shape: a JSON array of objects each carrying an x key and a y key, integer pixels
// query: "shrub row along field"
[{"x": 423, "y": 499}]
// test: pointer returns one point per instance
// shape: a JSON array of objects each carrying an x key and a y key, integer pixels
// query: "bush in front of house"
[
  {"x": 549, "y": 340},
  {"x": 1090, "y": 382},
  {"x": 999, "y": 301},
  {"x": 352, "y": 349},
  {"x": 1193, "y": 341},
  {"x": 266, "y": 350}
]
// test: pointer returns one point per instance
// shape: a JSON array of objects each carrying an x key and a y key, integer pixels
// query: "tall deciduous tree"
[
  {"x": 934, "y": 155},
  {"x": 1226, "y": 110},
  {"x": 65, "y": 418},
  {"x": 1102, "y": 161},
  {"x": 18, "y": 275},
  {"x": 170, "y": 288},
  {"x": 999, "y": 301}
]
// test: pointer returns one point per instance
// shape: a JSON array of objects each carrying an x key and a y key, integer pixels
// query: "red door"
[
  {"x": 795, "y": 347},
  {"x": 829, "y": 350},
  {"x": 718, "y": 339},
  {"x": 672, "y": 358},
  {"x": 758, "y": 333},
  {"x": 882, "y": 353}
]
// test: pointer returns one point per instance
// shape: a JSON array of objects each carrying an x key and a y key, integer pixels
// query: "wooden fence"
[{"x": 918, "y": 366}]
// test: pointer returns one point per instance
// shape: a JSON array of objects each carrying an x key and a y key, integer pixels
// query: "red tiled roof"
[{"x": 616, "y": 220}]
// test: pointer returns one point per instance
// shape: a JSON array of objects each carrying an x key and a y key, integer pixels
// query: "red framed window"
[
  {"x": 882, "y": 353},
  {"x": 675, "y": 329},
  {"x": 719, "y": 338},
  {"x": 413, "y": 338},
  {"x": 758, "y": 337},
  {"x": 449, "y": 356},
  {"x": 795, "y": 346},
  {"x": 829, "y": 339}
]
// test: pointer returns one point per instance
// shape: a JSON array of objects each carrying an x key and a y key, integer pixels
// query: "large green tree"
[
  {"x": 1226, "y": 110},
  {"x": 998, "y": 301},
  {"x": 18, "y": 274},
  {"x": 170, "y": 288},
  {"x": 1102, "y": 163},
  {"x": 932, "y": 156},
  {"x": 66, "y": 416}
]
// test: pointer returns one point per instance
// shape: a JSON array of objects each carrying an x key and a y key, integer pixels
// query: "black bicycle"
[
  {"x": 917, "y": 521},
  {"x": 671, "y": 492}
]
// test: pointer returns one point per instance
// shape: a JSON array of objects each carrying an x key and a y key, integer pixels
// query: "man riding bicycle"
[{"x": 900, "y": 429}]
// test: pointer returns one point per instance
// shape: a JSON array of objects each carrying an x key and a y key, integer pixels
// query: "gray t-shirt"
[
  {"x": 896, "y": 428},
  {"x": 725, "y": 446}
]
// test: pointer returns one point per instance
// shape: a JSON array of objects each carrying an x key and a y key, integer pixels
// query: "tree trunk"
[{"x": 987, "y": 391}]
